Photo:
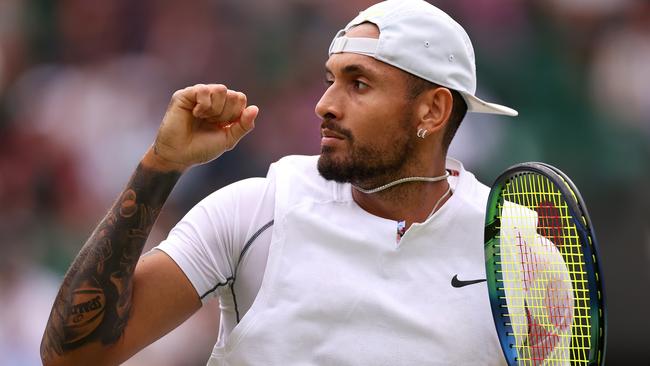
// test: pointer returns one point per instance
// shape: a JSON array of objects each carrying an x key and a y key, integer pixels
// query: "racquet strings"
[{"x": 544, "y": 276}]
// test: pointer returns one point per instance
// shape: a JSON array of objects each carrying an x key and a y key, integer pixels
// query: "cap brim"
[{"x": 476, "y": 105}]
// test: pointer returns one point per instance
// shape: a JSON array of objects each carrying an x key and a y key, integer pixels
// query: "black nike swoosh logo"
[{"x": 455, "y": 282}]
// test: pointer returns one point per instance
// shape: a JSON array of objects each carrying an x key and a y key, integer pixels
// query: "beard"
[{"x": 368, "y": 164}]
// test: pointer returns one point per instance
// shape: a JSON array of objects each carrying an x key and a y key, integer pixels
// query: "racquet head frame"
[{"x": 580, "y": 218}]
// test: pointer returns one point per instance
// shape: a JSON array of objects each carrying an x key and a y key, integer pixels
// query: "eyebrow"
[{"x": 354, "y": 69}]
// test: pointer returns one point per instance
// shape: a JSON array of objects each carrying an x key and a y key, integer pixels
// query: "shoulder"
[
  {"x": 297, "y": 175},
  {"x": 250, "y": 189},
  {"x": 473, "y": 193},
  {"x": 305, "y": 164}
]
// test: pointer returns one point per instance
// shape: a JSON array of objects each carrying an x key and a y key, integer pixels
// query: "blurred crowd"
[{"x": 84, "y": 85}]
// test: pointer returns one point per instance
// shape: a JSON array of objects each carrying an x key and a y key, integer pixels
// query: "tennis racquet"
[{"x": 543, "y": 271}]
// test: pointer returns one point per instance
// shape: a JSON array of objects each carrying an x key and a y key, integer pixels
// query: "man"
[{"x": 305, "y": 262}]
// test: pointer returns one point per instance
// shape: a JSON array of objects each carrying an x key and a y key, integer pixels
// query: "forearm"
[{"x": 94, "y": 301}]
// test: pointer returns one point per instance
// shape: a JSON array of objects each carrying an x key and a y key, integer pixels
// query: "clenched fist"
[{"x": 201, "y": 123}]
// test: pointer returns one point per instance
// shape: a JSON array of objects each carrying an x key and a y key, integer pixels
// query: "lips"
[{"x": 331, "y": 134}]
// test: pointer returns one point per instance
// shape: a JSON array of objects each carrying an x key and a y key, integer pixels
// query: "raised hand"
[{"x": 201, "y": 123}]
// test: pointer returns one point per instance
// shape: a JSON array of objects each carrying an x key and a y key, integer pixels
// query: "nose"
[{"x": 329, "y": 105}]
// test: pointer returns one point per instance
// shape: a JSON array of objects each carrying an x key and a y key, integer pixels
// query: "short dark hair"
[{"x": 416, "y": 85}]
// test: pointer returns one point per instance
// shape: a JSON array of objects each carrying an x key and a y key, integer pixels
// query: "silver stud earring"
[{"x": 422, "y": 133}]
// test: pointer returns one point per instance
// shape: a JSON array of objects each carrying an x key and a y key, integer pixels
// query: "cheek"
[
  {"x": 374, "y": 115},
  {"x": 383, "y": 124},
  {"x": 377, "y": 117}
]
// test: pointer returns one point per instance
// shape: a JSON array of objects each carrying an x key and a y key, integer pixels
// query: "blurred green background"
[{"x": 84, "y": 84}]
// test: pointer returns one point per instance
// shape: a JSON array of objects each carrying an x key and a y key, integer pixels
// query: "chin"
[{"x": 331, "y": 168}]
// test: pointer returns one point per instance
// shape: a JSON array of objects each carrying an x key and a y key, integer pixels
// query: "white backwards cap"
[{"x": 420, "y": 39}]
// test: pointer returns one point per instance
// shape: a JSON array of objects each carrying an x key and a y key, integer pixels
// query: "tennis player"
[{"x": 369, "y": 254}]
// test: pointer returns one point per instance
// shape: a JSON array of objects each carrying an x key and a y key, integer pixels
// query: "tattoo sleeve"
[{"x": 94, "y": 300}]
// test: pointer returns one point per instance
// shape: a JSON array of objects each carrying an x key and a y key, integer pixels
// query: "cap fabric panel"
[
  {"x": 432, "y": 56},
  {"x": 420, "y": 39}
]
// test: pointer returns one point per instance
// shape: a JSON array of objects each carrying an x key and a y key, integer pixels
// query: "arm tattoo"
[{"x": 94, "y": 300}]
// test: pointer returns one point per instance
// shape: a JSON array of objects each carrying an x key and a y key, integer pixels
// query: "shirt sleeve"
[{"x": 207, "y": 242}]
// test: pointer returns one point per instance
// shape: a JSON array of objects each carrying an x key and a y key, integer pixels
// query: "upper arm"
[
  {"x": 201, "y": 251},
  {"x": 163, "y": 298}
]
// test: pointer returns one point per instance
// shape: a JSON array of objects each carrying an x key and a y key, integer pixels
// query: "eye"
[
  {"x": 328, "y": 82},
  {"x": 360, "y": 85}
]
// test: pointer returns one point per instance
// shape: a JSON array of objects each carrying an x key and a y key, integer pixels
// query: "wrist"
[{"x": 154, "y": 161}]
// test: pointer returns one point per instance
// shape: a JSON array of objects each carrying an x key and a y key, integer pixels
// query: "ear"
[{"x": 434, "y": 109}]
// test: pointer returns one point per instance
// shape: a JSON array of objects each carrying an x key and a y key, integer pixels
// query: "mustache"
[{"x": 332, "y": 126}]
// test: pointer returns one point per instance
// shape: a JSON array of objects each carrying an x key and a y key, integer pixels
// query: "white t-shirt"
[
  {"x": 323, "y": 282},
  {"x": 222, "y": 246}
]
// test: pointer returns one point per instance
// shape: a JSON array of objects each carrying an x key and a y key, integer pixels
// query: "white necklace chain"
[
  {"x": 435, "y": 207},
  {"x": 403, "y": 180}
]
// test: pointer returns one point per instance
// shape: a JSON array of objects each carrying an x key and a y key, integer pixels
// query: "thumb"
[{"x": 246, "y": 122}]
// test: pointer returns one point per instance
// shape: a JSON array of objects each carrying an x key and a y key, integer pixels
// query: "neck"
[{"x": 410, "y": 201}]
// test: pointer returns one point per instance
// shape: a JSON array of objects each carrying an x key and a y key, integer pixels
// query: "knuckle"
[
  {"x": 179, "y": 93},
  {"x": 201, "y": 89},
  {"x": 218, "y": 95},
  {"x": 219, "y": 88},
  {"x": 177, "y": 97}
]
